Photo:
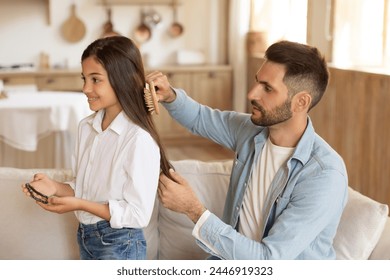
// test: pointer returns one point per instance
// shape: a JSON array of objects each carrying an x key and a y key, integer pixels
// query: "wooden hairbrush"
[{"x": 151, "y": 98}]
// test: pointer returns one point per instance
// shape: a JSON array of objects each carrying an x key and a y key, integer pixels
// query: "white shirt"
[
  {"x": 272, "y": 158},
  {"x": 119, "y": 166}
]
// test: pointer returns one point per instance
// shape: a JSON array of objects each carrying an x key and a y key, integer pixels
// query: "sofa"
[{"x": 28, "y": 232}]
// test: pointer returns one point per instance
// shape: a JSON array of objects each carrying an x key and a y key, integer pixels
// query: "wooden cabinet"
[
  {"x": 47, "y": 80},
  {"x": 137, "y": 2},
  {"x": 167, "y": 127},
  {"x": 16, "y": 80},
  {"x": 60, "y": 82},
  {"x": 213, "y": 88},
  {"x": 211, "y": 85}
]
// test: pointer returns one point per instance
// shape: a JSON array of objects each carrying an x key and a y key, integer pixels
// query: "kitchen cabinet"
[
  {"x": 45, "y": 80},
  {"x": 60, "y": 82},
  {"x": 213, "y": 88},
  {"x": 167, "y": 127},
  {"x": 209, "y": 84},
  {"x": 10, "y": 80},
  {"x": 137, "y": 2}
]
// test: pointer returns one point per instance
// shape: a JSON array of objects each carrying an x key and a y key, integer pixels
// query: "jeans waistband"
[{"x": 94, "y": 227}]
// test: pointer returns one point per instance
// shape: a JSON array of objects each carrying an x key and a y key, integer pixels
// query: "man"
[{"x": 288, "y": 187}]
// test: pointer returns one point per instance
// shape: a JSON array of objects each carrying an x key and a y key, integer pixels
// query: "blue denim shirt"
[{"x": 305, "y": 200}]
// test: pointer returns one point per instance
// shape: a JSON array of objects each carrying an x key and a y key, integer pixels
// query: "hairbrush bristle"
[{"x": 151, "y": 98}]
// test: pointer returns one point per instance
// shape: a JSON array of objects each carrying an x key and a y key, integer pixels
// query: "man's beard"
[{"x": 277, "y": 115}]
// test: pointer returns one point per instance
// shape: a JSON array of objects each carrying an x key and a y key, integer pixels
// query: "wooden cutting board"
[{"x": 73, "y": 29}]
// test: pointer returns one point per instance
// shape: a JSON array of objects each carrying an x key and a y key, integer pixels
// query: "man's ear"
[{"x": 301, "y": 102}]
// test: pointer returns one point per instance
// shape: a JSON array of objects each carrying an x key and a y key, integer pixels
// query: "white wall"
[{"x": 25, "y": 32}]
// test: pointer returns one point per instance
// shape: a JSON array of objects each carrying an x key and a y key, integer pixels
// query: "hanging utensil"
[
  {"x": 152, "y": 17},
  {"x": 73, "y": 29},
  {"x": 108, "y": 27},
  {"x": 176, "y": 29},
  {"x": 142, "y": 33}
]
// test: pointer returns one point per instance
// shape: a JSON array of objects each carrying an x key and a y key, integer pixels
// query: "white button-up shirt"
[{"x": 119, "y": 166}]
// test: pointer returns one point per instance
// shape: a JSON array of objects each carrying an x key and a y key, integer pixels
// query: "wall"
[
  {"x": 25, "y": 31},
  {"x": 352, "y": 117}
]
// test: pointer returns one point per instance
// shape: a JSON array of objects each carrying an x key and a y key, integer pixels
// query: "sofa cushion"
[
  {"x": 209, "y": 181},
  {"x": 152, "y": 235},
  {"x": 360, "y": 228}
]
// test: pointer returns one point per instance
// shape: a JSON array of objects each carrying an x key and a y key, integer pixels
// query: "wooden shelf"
[{"x": 138, "y": 2}]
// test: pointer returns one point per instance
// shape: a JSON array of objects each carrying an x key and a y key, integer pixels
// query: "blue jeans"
[{"x": 101, "y": 242}]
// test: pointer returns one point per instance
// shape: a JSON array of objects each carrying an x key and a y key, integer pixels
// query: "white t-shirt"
[
  {"x": 119, "y": 166},
  {"x": 272, "y": 158}
]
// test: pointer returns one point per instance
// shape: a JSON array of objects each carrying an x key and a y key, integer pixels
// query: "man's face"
[{"x": 271, "y": 104}]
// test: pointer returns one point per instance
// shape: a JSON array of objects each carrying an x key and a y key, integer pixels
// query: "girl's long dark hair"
[{"x": 123, "y": 63}]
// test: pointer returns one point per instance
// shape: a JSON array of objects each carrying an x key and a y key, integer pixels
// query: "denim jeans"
[{"x": 101, "y": 242}]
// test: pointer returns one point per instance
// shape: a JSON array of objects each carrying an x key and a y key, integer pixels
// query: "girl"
[{"x": 118, "y": 157}]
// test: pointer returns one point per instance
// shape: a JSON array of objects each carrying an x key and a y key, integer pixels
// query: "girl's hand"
[
  {"x": 43, "y": 184},
  {"x": 61, "y": 205}
]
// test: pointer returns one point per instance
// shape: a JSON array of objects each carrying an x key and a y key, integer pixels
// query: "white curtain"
[{"x": 239, "y": 12}]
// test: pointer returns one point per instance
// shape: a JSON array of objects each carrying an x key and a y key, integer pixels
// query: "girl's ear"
[{"x": 301, "y": 102}]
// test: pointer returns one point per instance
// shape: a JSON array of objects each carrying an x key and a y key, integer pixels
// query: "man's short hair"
[{"x": 306, "y": 68}]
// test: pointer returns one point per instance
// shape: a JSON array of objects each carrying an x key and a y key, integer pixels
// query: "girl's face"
[{"x": 98, "y": 89}]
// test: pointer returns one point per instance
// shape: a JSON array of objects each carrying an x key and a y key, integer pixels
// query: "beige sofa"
[{"x": 28, "y": 232}]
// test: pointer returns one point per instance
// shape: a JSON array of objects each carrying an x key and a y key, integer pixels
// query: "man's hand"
[
  {"x": 179, "y": 197},
  {"x": 164, "y": 91}
]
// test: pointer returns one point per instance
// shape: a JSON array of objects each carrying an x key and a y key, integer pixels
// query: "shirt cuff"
[{"x": 199, "y": 224}]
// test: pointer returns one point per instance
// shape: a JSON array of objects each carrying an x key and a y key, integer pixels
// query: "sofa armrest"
[
  {"x": 382, "y": 248},
  {"x": 29, "y": 232}
]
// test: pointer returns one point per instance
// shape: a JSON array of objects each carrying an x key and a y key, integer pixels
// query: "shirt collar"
[
  {"x": 117, "y": 125},
  {"x": 305, "y": 145}
]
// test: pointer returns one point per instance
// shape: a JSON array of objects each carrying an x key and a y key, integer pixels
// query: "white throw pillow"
[
  {"x": 209, "y": 181},
  {"x": 360, "y": 228},
  {"x": 151, "y": 234}
]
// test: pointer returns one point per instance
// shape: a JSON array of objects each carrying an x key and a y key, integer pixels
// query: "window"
[
  {"x": 360, "y": 36},
  {"x": 280, "y": 19},
  {"x": 352, "y": 33}
]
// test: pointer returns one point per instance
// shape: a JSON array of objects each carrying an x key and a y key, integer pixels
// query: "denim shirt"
[{"x": 305, "y": 200}]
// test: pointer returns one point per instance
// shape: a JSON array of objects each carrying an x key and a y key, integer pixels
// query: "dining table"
[{"x": 38, "y": 129}]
